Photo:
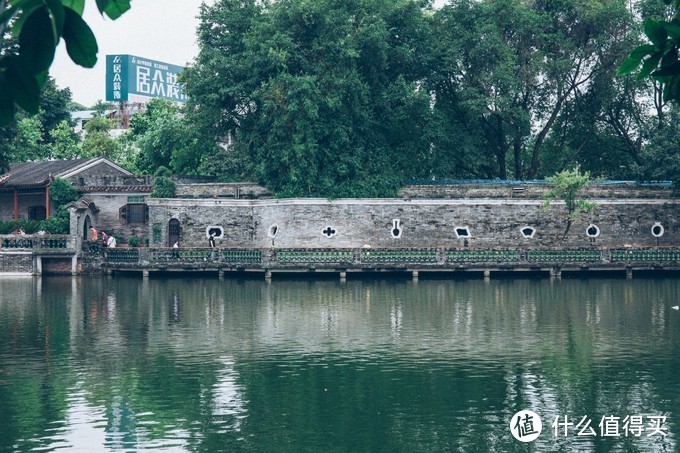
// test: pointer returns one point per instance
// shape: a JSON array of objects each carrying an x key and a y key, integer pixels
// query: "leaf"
[
  {"x": 23, "y": 85},
  {"x": 7, "y": 108},
  {"x": 76, "y": 5},
  {"x": 669, "y": 70},
  {"x": 649, "y": 65},
  {"x": 629, "y": 65},
  {"x": 102, "y": 4},
  {"x": 116, "y": 8},
  {"x": 26, "y": 10},
  {"x": 672, "y": 29},
  {"x": 36, "y": 41},
  {"x": 81, "y": 44},
  {"x": 633, "y": 61},
  {"x": 656, "y": 33},
  {"x": 57, "y": 10}
]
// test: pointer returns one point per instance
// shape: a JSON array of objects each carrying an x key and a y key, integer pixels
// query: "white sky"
[
  {"x": 163, "y": 30},
  {"x": 160, "y": 30}
]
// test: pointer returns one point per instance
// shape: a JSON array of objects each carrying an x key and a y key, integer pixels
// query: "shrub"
[{"x": 134, "y": 241}]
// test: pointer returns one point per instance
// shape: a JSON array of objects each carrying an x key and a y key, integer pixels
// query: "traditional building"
[{"x": 25, "y": 189}]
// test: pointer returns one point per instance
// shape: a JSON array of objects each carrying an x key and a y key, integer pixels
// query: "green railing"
[
  {"x": 482, "y": 256},
  {"x": 182, "y": 255},
  {"x": 17, "y": 243},
  {"x": 398, "y": 256},
  {"x": 313, "y": 257},
  {"x": 241, "y": 256},
  {"x": 52, "y": 242},
  {"x": 563, "y": 256},
  {"x": 121, "y": 255},
  {"x": 653, "y": 255}
]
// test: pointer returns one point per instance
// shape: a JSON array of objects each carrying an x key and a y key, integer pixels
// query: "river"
[{"x": 201, "y": 364}]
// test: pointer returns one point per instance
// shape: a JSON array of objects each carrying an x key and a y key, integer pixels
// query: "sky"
[{"x": 159, "y": 30}]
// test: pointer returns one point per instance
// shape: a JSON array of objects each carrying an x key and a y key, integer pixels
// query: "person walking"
[
  {"x": 111, "y": 243},
  {"x": 95, "y": 235},
  {"x": 105, "y": 239},
  {"x": 211, "y": 240}
]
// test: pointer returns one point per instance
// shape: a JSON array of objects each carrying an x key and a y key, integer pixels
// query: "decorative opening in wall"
[
  {"x": 218, "y": 230},
  {"x": 592, "y": 231},
  {"x": 396, "y": 228},
  {"x": 329, "y": 232},
  {"x": 527, "y": 232},
  {"x": 657, "y": 230},
  {"x": 273, "y": 230},
  {"x": 462, "y": 232}
]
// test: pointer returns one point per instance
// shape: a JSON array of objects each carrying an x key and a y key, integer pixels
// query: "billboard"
[{"x": 136, "y": 79}]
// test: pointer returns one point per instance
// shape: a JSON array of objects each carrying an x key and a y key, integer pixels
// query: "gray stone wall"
[
  {"x": 530, "y": 191},
  {"x": 108, "y": 180},
  {"x": 222, "y": 190},
  {"x": 107, "y": 219},
  {"x": 423, "y": 223},
  {"x": 19, "y": 263}
]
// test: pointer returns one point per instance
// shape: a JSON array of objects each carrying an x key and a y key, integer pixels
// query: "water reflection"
[{"x": 370, "y": 365}]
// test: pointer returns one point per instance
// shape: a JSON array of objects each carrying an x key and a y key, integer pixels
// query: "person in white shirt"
[{"x": 111, "y": 243}]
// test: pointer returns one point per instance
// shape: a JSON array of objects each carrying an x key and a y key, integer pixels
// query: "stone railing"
[
  {"x": 389, "y": 258},
  {"x": 37, "y": 243}
]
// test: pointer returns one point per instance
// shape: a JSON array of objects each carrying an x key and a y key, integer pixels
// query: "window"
[
  {"x": 462, "y": 232},
  {"x": 218, "y": 230},
  {"x": 134, "y": 213},
  {"x": 657, "y": 230},
  {"x": 592, "y": 231},
  {"x": 528, "y": 232},
  {"x": 36, "y": 213}
]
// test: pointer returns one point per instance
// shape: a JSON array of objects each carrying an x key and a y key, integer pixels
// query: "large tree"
[
  {"x": 322, "y": 97},
  {"x": 510, "y": 70}
]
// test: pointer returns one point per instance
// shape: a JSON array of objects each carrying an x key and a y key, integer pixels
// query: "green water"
[{"x": 90, "y": 364}]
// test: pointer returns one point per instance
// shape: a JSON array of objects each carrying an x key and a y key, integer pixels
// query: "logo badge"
[{"x": 526, "y": 426}]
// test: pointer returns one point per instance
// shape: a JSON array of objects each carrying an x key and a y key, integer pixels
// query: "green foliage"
[
  {"x": 163, "y": 171},
  {"x": 58, "y": 223},
  {"x": 62, "y": 192},
  {"x": 39, "y": 27},
  {"x": 134, "y": 241},
  {"x": 163, "y": 187},
  {"x": 98, "y": 142},
  {"x": 660, "y": 58},
  {"x": 321, "y": 98},
  {"x": 566, "y": 186},
  {"x": 64, "y": 142}
]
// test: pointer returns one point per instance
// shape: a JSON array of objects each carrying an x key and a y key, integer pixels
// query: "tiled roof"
[
  {"x": 38, "y": 174},
  {"x": 115, "y": 188}
]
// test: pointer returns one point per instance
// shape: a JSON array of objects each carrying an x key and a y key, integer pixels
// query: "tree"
[
  {"x": 509, "y": 71},
  {"x": 321, "y": 98},
  {"x": 566, "y": 186},
  {"x": 97, "y": 140},
  {"x": 39, "y": 27},
  {"x": 64, "y": 142}
]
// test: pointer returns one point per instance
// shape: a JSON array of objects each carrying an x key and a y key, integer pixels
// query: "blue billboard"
[{"x": 136, "y": 79}]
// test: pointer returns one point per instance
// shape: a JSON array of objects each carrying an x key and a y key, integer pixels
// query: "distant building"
[{"x": 25, "y": 188}]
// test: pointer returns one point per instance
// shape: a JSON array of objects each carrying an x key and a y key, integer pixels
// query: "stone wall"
[
  {"x": 110, "y": 181},
  {"x": 222, "y": 190},
  {"x": 19, "y": 263},
  {"x": 421, "y": 223},
  {"x": 535, "y": 190},
  {"x": 108, "y": 217}
]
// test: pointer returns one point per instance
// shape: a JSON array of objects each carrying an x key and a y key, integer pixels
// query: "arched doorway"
[
  {"x": 86, "y": 226},
  {"x": 174, "y": 231}
]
